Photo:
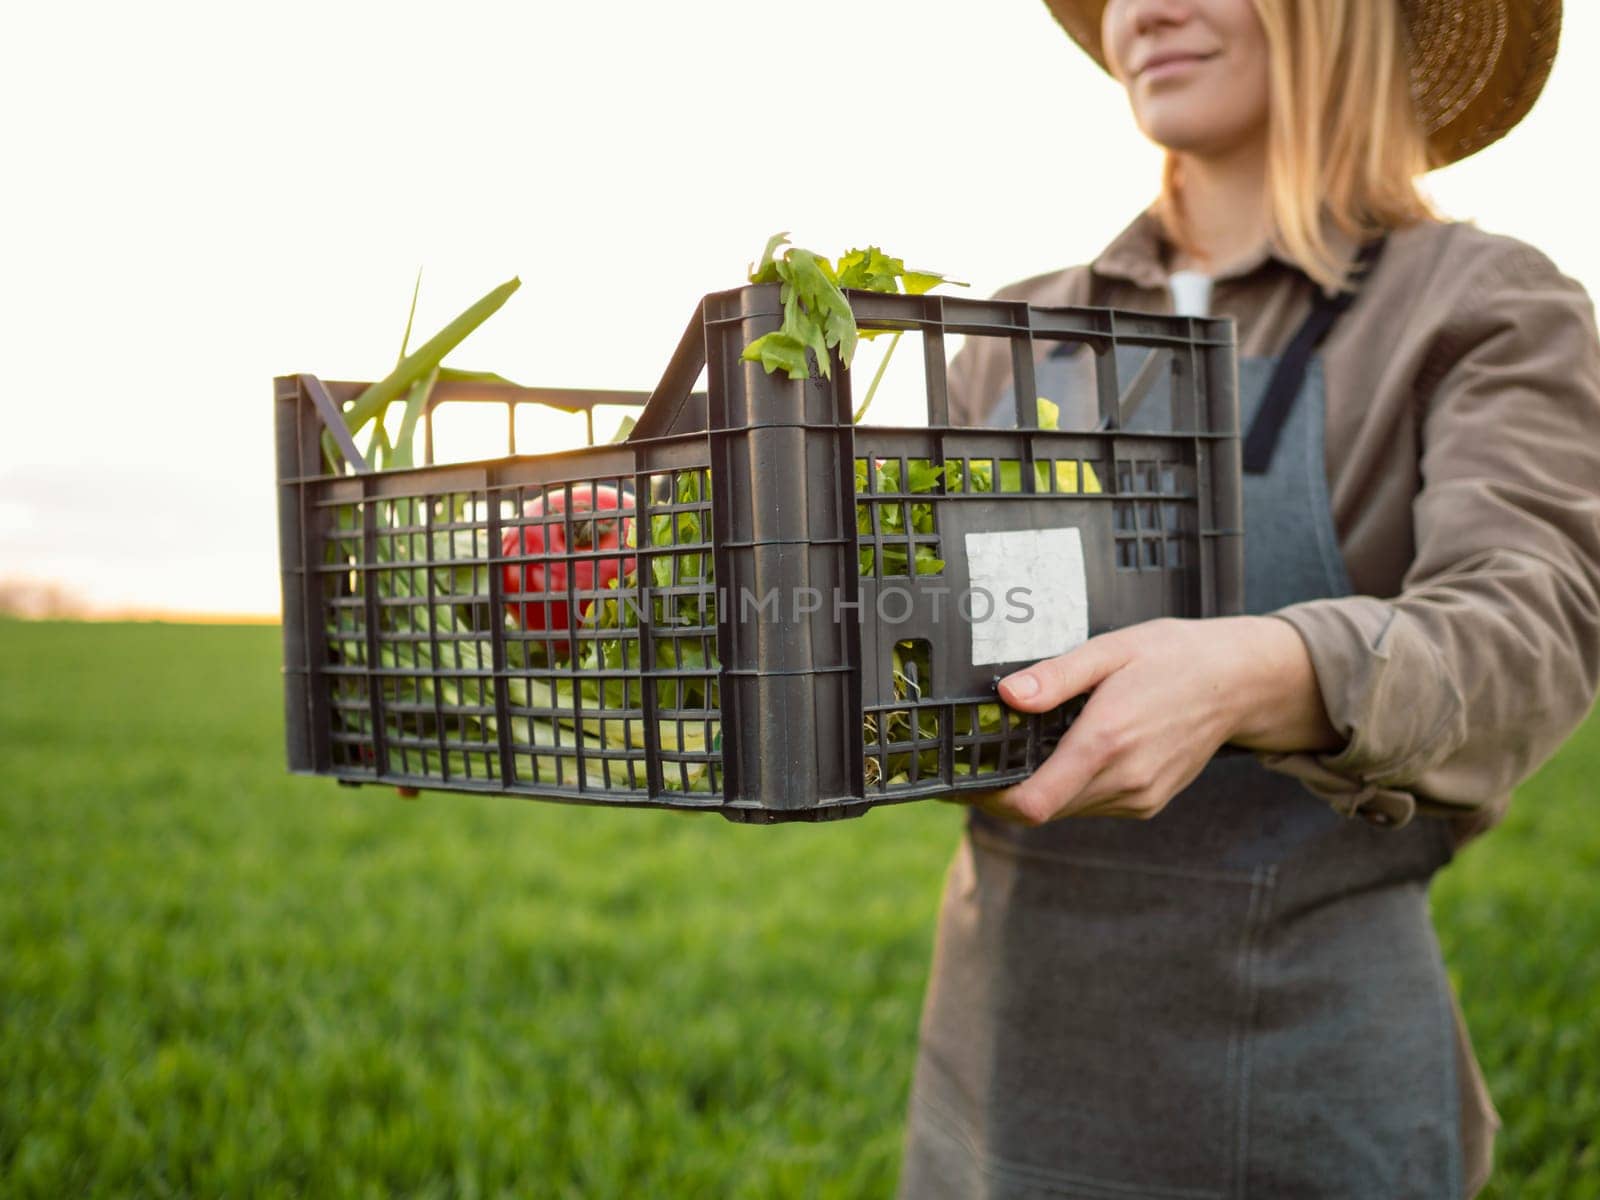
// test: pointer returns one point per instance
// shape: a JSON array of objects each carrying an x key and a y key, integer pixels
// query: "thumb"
[{"x": 1057, "y": 680}]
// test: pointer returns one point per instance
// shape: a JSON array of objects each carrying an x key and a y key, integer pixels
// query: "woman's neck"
[{"x": 1225, "y": 204}]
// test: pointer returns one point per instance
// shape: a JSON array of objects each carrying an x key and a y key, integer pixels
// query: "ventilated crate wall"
[
  {"x": 426, "y": 624},
  {"x": 415, "y": 656}
]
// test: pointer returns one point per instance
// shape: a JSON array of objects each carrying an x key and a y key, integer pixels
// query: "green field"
[{"x": 219, "y": 980}]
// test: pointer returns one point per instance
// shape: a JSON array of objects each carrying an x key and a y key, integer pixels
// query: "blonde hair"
[{"x": 1343, "y": 135}]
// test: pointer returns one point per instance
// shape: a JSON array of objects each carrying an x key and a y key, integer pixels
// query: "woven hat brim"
[{"x": 1477, "y": 66}]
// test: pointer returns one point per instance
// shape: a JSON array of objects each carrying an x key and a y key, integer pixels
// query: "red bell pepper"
[{"x": 536, "y": 590}]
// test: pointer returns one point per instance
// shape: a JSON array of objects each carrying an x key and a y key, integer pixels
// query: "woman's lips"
[{"x": 1166, "y": 67}]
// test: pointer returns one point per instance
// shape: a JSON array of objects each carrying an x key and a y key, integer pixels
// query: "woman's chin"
[{"x": 1183, "y": 133}]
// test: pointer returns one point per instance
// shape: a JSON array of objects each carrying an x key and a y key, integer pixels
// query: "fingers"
[
  {"x": 1137, "y": 741},
  {"x": 1135, "y": 786},
  {"x": 997, "y": 804},
  {"x": 1057, "y": 680},
  {"x": 1060, "y": 786},
  {"x": 1095, "y": 770},
  {"x": 1029, "y": 804}
]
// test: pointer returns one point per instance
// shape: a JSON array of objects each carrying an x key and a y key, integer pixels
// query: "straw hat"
[{"x": 1477, "y": 65}]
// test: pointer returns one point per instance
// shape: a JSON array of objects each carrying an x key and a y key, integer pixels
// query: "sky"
[{"x": 204, "y": 196}]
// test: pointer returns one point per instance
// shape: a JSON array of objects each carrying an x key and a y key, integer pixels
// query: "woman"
[{"x": 1240, "y": 994}]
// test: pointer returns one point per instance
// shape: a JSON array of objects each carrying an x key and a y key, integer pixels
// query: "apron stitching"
[
  {"x": 1004, "y": 1168},
  {"x": 1095, "y": 1189},
  {"x": 1007, "y": 849},
  {"x": 1239, "y": 1048}
]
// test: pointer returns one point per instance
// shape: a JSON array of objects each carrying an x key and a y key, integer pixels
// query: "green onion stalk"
[{"x": 443, "y": 605}]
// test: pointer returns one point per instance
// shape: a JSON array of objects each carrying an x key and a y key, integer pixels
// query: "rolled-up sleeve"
[{"x": 1454, "y": 691}]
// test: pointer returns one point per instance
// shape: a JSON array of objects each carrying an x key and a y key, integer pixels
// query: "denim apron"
[{"x": 1242, "y": 997}]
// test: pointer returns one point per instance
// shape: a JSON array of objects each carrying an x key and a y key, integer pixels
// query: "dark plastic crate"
[{"x": 408, "y": 662}]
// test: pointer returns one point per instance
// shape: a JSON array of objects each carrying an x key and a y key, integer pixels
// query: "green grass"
[
  {"x": 1519, "y": 918},
  {"x": 218, "y": 979}
]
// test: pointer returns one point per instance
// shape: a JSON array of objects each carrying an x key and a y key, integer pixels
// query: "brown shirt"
[{"x": 1463, "y": 460}]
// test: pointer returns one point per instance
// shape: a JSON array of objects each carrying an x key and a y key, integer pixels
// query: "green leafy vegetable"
[{"x": 816, "y": 314}]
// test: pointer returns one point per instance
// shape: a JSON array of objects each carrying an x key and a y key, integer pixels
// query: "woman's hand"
[{"x": 1166, "y": 695}]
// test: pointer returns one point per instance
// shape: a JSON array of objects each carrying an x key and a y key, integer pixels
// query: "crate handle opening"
[{"x": 333, "y": 420}]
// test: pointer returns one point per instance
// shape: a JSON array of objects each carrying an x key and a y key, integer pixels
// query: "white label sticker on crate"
[{"x": 1030, "y": 594}]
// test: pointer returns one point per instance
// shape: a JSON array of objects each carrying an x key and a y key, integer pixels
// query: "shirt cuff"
[
  {"x": 1377, "y": 805},
  {"x": 1387, "y": 693}
]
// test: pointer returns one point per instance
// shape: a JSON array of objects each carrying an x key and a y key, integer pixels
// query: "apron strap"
[{"x": 1290, "y": 372}]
